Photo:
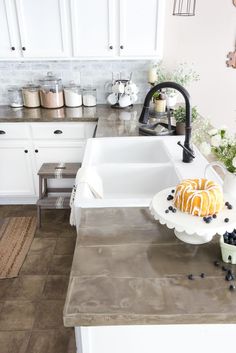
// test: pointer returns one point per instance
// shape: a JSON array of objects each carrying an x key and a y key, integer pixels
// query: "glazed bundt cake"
[{"x": 199, "y": 197}]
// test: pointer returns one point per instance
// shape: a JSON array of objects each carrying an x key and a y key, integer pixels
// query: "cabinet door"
[
  {"x": 16, "y": 176},
  {"x": 93, "y": 28},
  {"x": 141, "y": 28},
  {"x": 9, "y": 44},
  {"x": 57, "y": 152},
  {"x": 43, "y": 28}
]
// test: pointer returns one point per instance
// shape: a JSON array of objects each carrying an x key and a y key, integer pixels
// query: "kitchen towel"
[{"x": 90, "y": 177}]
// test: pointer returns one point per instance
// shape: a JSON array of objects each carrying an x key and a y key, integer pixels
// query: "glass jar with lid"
[
  {"x": 30, "y": 95},
  {"x": 73, "y": 95},
  {"x": 15, "y": 97},
  {"x": 51, "y": 92},
  {"x": 89, "y": 96}
]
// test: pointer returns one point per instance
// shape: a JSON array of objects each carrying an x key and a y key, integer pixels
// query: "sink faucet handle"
[{"x": 187, "y": 150}]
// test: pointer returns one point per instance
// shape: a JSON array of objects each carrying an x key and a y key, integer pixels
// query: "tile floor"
[{"x": 31, "y": 305}]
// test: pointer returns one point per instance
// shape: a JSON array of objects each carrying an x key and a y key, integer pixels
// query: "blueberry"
[
  {"x": 226, "y": 220},
  {"x": 214, "y": 215},
  {"x": 230, "y": 207},
  {"x": 204, "y": 219},
  {"x": 208, "y": 220},
  {"x": 190, "y": 277},
  {"x": 202, "y": 275},
  {"x": 232, "y": 287},
  {"x": 229, "y": 277},
  {"x": 174, "y": 210},
  {"x": 166, "y": 211},
  {"x": 227, "y": 203},
  {"x": 172, "y": 191},
  {"x": 170, "y": 208},
  {"x": 170, "y": 197},
  {"x": 216, "y": 263}
]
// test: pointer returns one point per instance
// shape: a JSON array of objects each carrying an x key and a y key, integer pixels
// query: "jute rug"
[{"x": 16, "y": 235}]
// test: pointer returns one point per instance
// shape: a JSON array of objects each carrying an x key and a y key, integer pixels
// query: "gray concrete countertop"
[
  {"x": 111, "y": 122},
  {"x": 128, "y": 269}
]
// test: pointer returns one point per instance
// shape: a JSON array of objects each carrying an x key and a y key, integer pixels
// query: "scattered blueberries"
[
  {"x": 214, "y": 215},
  {"x": 166, "y": 211},
  {"x": 226, "y": 220},
  {"x": 172, "y": 191},
  {"x": 207, "y": 219},
  {"x": 170, "y": 197},
  {"x": 170, "y": 208},
  {"x": 228, "y": 205},
  {"x": 174, "y": 210},
  {"x": 216, "y": 263}
]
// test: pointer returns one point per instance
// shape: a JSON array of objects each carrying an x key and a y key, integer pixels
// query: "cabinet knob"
[
  {"x": 121, "y": 47},
  {"x": 13, "y": 48},
  {"x": 111, "y": 47},
  {"x": 26, "y": 151},
  {"x": 23, "y": 48},
  {"x": 2, "y": 132},
  {"x": 57, "y": 132},
  {"x": 36, "y": 151}
]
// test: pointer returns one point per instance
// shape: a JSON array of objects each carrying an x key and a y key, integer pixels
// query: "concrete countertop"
[
  {"x": 111, "y": 122},
  {"x": 128, "y": 269}
]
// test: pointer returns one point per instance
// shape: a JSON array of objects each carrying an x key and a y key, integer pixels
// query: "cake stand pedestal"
[{"x": 192, "y": 229}]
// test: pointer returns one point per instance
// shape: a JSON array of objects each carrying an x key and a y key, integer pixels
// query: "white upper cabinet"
[
  {"x": 9, "y": 44},
  {"x": 92, "y": 25},
  {"x": 84, "y": 29},
  {"x": 43, "y": 28},
  {"x": 141, "y": 28}
]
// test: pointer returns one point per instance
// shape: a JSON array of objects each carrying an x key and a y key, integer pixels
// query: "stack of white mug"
[{"x": 124, "y": 93}]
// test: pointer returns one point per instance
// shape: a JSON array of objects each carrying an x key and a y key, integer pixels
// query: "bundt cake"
[{"x": 199, "y": 197}]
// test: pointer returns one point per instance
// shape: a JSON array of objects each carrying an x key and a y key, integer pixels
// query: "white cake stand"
[{"x": 192, "y": 229}]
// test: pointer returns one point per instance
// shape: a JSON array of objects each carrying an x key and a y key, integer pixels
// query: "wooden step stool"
[{"x": 54, "y": 171}]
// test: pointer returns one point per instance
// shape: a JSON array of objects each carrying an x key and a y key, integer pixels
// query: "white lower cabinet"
[
  {"x": 22, "y": 153},
  {"x": 16, "y": 171}
]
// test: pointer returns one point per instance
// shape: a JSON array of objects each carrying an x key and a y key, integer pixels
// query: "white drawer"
[
  {"x": 16, "y": 131},
  {"x": 56, "y": 131}
]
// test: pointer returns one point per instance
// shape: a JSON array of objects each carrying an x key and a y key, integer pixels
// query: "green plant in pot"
[{"x": 180, "y": 118}]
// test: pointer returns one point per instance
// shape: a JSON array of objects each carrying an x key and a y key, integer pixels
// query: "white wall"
[{"x": 205, "y": 41}]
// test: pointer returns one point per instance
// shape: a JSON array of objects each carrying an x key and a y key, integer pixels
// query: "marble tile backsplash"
[{"x": 95, "y": 73}]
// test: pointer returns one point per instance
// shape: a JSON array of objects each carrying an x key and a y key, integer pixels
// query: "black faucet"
[{"x": 188, "y": 153}]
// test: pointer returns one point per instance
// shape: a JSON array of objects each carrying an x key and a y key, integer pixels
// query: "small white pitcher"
[{"x": 229, "y": 183}]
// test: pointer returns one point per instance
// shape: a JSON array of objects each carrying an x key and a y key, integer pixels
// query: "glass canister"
[
  {"x": 15, "y": 97},
  {"x": 73, "y": 95},
  {"x": 30, "y": 95},
  {"x": 89, "y": 96},
  {"x": 51, "y": 92}
]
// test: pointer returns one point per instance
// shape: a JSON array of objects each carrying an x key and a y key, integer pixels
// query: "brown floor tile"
[
  {"x": 23, "y": 288},
  {"x": 49, "y": 314},
  {"x": 17, "y": 210},
  {"x": 65, "y": 246},
  {"x": 14, "y": 341},
  {"x": 50, "y": 341},
  {"x": 36, "y": 264},
  {"x": 42, "y": 246},
  {"x": 17, "y": 315},
  {"x": 60, "y": 264},
  {"x": 56, "y": 287},
  {"x": 4, "y": 285}
]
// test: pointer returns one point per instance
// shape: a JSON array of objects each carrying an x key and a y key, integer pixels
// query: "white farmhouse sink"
[
  {"x": 134, "y": 169},
  {"x": 126, "y": 150}
]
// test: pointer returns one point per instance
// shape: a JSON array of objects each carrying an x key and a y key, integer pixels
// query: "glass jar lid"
[
  {"x": 14, "y": 88},
  {"x": 50, "y": 79},
  {"x": 71, "y": 85},
  {"x": 31, "y": 87},
  {"x": 89, "y": 88}
]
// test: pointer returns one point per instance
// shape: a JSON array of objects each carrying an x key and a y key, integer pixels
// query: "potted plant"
[
  {"x": 180, "y": 118},
  {"x": 183, "y": 74}
]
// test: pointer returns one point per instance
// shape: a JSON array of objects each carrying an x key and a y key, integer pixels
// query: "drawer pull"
[
  {"x": 13, "y": 48},
  {"x": 26, "y": 151},
  {"x": 57, "y": 132},
  {"x": 36, "y": 151},
  {"x": 2, "y": 132},
  {"x": 24, "y": 48}
]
